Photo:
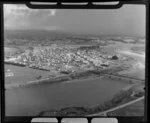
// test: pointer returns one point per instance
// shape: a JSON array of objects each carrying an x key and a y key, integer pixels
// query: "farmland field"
[{"x": 23, "y": 74}]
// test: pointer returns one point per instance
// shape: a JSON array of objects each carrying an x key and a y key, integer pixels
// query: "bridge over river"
[{"x": 123, "y": 77}]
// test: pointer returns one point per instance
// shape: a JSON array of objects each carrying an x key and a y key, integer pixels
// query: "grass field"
[{"x": 23, "y": 74}]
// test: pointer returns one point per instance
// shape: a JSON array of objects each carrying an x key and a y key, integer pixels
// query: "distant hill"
[
  {"x": 34, "y": 33},
  {"x": 21, "y": 37}
]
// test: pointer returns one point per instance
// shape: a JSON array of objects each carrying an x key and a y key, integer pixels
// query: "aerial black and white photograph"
[{"x": 74, "y": 62}]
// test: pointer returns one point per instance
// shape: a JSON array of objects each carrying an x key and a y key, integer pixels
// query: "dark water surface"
[{"x": 32, "y": 100}]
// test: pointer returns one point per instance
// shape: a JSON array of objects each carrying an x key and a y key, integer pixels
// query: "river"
[{"x": 32, "y": 100}]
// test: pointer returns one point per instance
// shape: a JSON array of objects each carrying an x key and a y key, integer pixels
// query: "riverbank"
[
  {"x": 31, "y": 100},
  {"x": 122, "y": 97},
  {"x": 71, "y": 76},
  {"x": 56, "y": 80},
  {"x": 135, "y": 108}
]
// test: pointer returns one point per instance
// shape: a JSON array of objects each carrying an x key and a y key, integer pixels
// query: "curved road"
[{"x": 104, "y": 113}]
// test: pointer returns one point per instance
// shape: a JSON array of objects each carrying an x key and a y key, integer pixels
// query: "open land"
[{"x": 135, "y": 109}]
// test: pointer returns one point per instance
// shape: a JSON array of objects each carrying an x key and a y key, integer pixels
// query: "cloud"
[
  {"x": 20, "y": 15},
  {"x": 22, "y": 10}
]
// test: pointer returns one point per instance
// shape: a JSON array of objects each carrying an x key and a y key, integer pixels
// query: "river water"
[{"x": 31, "y": 100}]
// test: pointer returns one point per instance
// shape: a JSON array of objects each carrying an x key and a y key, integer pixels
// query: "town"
[{"x": 63, "y": 59}]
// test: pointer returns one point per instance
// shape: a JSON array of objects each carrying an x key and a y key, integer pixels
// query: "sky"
[{"x": 128, "y": 20}]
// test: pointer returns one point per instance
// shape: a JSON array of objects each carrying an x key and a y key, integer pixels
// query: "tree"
[
  {"x": 114, "y": 57},
  {"x": 39, "y": 77}
]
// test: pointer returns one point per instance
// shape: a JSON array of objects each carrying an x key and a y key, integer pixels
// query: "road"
[{"x": 104, "y": 113}]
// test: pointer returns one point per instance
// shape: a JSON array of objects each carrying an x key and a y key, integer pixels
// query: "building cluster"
[{"x": 62, "y": 58}]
